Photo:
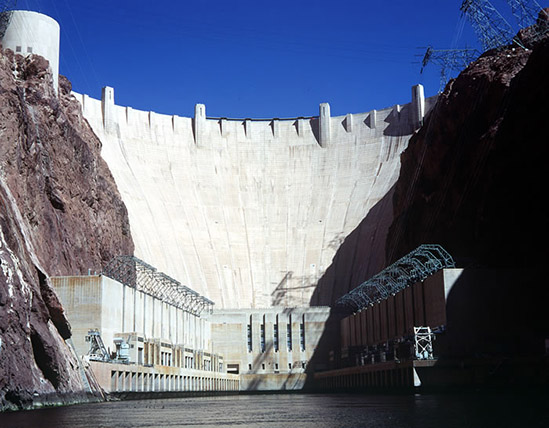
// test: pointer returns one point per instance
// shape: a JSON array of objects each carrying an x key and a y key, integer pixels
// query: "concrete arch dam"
[{"x": 251, "y": 212}]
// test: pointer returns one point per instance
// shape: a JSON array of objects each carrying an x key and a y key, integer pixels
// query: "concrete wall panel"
[
  {"x": 353, "y": 321},
  {"x": 363, "y": 329},
  {"x": 408, "y": 310},
  {"x": 234, "y": 208},
  {"x": 383, "y": 327},
  {"x": 229, "y": 336},
  {"x": 400, "y": 314},
  {"x": 391, "y": 318},
  {"x": 435, "y": 310},
  {"x": 376, "y": 323},
  {"x": 370, "y": 326},
  {"x": 97, "y": 302},
  {"x": 419, "y": 313}
]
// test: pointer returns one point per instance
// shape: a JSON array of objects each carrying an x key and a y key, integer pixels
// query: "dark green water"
[{"x": 299, "y": 410}]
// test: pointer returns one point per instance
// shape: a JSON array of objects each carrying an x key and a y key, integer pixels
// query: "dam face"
[{"x": 251, "y": 212}]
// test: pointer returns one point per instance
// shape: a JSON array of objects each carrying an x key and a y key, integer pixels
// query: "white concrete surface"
[
  {"x": 99, "y": 302},
  {"x": 270, "y": 348},
  {"x": 34, "y": 33},
  {"x": 249, "y": 213},
  {"x": 136, "y": 378}
]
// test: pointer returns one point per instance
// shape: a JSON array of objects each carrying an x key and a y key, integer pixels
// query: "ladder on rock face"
[
  {"x": 423, "y": 343},
  {"x": 83, "y": 375}
]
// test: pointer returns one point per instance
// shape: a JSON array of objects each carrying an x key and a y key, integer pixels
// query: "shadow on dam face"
[
  {"x": 491, "y": 313},
  {"x": 360, "y": 256}
]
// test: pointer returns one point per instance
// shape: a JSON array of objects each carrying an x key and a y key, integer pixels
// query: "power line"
[
  {"x": 448, "y": 60},
  {"x": 525, "y": 11},
  {"x": 491, "y": 28}
]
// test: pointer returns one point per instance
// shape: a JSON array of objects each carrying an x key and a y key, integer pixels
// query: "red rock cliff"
[
  {"x": 60, "y": 213},
  {"x": 473, "y": 178}
]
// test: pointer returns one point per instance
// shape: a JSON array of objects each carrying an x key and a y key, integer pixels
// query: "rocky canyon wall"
[
  {"x": 60, "y": 213},
  {"x": 474, "y": 178}
]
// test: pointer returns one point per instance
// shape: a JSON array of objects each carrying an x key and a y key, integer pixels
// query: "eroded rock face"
[
  {"x": 473, "y": 178},
  {"x": 60, "y": 213}
]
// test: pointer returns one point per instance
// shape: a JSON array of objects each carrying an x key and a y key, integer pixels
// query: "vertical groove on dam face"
[{"x": 248, "y": 217}]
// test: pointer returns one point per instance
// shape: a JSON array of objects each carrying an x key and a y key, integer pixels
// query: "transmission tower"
[
  {"x": 6, "y": 10},
  {"x": 490, "y": 27},
  {"x": 448, "y": 60},
  {"x": 525, "y": 11}
]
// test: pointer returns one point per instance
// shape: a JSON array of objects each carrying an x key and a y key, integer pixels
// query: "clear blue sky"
[{"x": 254, "y": 58}]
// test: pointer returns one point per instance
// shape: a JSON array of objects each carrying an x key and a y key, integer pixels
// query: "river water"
[{"x": 299, "y": 411}]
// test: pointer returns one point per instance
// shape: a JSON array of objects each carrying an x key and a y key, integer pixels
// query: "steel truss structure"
[
  {"x": 417, "y": 265},
  {"x": 447, "y": 60},
  {"x": 525, "y": 11},
  {"x": 423, "y": 343},
  {"x": 135, "y": 273},
  {"x": 97, "y": 351},
  {"x": 491, "y": 28}
]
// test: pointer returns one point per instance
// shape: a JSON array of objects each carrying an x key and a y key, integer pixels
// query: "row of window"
[
  {"x": 18, "y": 49},
  {"x": 301, "y": 364},
  {"x": 276, "y": 342}
]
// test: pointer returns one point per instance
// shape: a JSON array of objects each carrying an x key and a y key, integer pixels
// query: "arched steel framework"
[
  {"x": 417, "y": 265},
  {"x": 135, "y": 273}
]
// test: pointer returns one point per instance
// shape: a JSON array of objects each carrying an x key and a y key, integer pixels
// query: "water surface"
[{"x": 299, "y": 410}]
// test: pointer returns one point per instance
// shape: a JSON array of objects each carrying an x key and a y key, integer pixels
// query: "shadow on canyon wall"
[
  {"x": 473, "y": 179},
  {"x": 474, "y": 176}
]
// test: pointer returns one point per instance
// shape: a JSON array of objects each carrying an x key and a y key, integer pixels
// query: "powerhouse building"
[
  {"x": 142, "y": 331},
  {"x": 270, "y": 348}
]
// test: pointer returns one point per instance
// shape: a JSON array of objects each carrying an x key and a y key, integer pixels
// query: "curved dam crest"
[{"x": 250, "y": 213}]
